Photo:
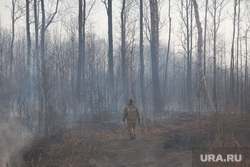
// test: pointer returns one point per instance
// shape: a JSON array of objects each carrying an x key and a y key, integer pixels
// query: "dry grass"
[
  {"x": 166, "y": 142},
  {"x": 71, "y": 149}
]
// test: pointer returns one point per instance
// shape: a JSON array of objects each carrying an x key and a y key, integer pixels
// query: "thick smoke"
[{"x": 13, "y": 137}]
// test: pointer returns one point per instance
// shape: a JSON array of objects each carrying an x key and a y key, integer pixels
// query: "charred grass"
[
  {"x": 70, "y": 149},
  {"x": 167, "y": 142}
]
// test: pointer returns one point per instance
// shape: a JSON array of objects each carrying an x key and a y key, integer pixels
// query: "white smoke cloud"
[{"x": 13, "y": 137}]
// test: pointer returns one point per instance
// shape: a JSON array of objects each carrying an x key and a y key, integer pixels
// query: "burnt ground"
[{"x": 167, "y": 142}]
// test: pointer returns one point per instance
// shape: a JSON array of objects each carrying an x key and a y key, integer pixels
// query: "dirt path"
[{"x": 147, "y": 150}]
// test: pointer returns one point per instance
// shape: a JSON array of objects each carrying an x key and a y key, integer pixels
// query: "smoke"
[{"x": 13, "y": 137}]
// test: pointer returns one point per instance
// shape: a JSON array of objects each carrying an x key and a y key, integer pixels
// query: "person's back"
[{"x": 131, "y": 113}]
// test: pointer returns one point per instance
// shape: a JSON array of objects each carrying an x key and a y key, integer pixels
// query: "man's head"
[{"x": 130, "y": 101}]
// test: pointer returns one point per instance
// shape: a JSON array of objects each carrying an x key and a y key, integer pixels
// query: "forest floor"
[{"x": 165, "y": 143}]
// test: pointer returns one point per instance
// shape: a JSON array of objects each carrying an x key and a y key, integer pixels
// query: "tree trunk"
[
  {"x": 13, "y": 36},
  {"x": 123, "y": 50},
  {"x": 246, "y": 74},
  {"x": 37, "y": 58},
  {"x": 214, "y": 50},
  {"x": 167, "y": 59},
  {"x": 241, "y": 76},
  {"x": 143, "y": 95},
  {"x": 205, "y": 39},
  {"x": 154, "y": 45},
  {"x": 80, "y": 53},
  {"x": 83, "y": 45},
  {"x": 29, "y": 80},
  {"x": 188, "y": 95},
  {"x": 42, "y": 42},
  {"x": 201, "y": 71},
  {"x": 237, "y": 61},
  {"x": 110, "y": 57},
  {"x": 190, "y": 58},
  {"x": 43, "y": 79},
  {"x": 232, "y": 58}
]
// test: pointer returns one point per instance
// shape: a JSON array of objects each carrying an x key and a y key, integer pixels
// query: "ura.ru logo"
[{"x": 220, "y": 158}]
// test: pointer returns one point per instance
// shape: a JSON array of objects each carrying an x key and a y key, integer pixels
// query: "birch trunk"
[{"x": 201, "y": 70}]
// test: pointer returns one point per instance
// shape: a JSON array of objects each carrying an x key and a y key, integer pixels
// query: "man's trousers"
[{"x": 131, "y": 129}]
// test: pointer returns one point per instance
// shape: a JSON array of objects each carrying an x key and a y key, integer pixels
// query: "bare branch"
[
  {"x": 90, "y": 9},
  {"x": 105, "y": 3},
  {"x": 52, "y": 16}
]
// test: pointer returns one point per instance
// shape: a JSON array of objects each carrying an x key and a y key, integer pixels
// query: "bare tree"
[
  {"x": 201, "y": 70},
  {"x": 37, "y": 58},
  {"x": 123, "y": 49},
  {"x": 187, "y": 46},
  {"x": 205, "y": 38},
  {"x": 143, "y": 98},
  {"x": 190, "y": 60},
  {"x": 232, "y": 56},
  {"x": 16, "y": 13},
  {"x": 80, "y": 50},
  {"x": 168, "y": 51},
  {"x": 44, "y": 78},
  {"x": 110, "y": 54},
  {"x": 142, "y": 67},
  {"x": 82, "y": 17},
  {"x": 237, "y": 54},
  {"x": 216, "y": 13},
  {"x": 29, "y": 80},
  {"x": 154, "y": 45},
  {"x": 246, "y": 70}
]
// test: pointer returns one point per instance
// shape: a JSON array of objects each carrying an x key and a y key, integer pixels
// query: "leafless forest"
[{"x": 64, "y": 81}]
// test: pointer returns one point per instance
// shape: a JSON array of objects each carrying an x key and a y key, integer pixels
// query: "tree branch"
[{"x": 53, "y": 15}]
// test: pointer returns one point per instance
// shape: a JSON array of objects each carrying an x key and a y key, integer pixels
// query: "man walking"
[{"x": 131, "y": 113}]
